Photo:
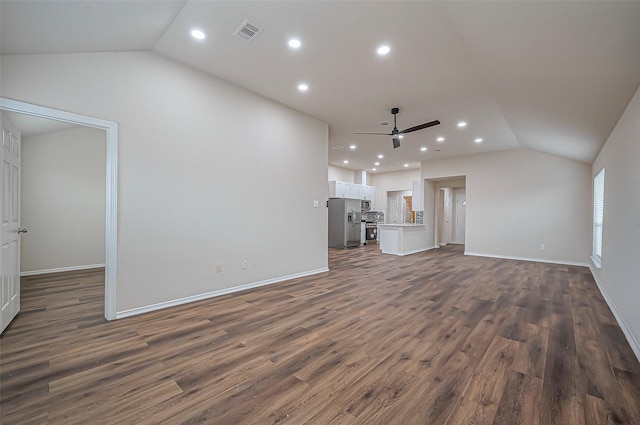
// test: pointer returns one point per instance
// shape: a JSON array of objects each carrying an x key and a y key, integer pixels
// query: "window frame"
[{"x": 598, "y": 217}]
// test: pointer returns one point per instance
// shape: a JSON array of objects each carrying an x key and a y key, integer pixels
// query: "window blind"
[{"x": 598, "y": 213}]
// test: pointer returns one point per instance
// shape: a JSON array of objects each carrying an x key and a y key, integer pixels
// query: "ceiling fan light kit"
[{"x": 396, "y": 134}]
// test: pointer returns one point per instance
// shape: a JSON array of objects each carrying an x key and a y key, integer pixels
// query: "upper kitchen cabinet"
[
  {"x": 369, "y": 193},
  {"x": 339, "y": 189}
]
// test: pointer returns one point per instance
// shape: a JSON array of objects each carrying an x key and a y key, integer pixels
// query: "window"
[{"x": 598, "y": 210}]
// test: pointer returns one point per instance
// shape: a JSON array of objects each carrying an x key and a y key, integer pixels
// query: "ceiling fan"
[{"x": 396, "y": 134}]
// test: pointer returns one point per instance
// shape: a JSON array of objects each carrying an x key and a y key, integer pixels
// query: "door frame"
[{"x": 111, "y": 228}]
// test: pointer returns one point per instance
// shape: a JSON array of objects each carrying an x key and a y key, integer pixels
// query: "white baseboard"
[
  {"x": 537, "y": 260},
  {"x": 62, "y": 269},
  {"x": 199, "y": 297},
  {"x": 625, "y": 329}
]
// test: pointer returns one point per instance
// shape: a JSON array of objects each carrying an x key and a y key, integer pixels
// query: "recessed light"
[
  {"x": 376, "y": 163},
  {"x": 380, "y": 156},
  {"x": 406, "y": 165},
  {"x": 303, "y": 87},
  {"x": 440, "y": 139},
  {"x": 337, "y": 147},
  {"x": 346, "y": 161},
  {"x": 462, "y": 124},
  {"x": 423, "y": 149},
  {"x": 478, "y": 140},
  {"x": 352, "y": 147},
  {"x": 198, "y": 35},
  {"x": 374, "y": 169},
  {"x": 294, "y": 43},
  {"x": 383, "y": 123},
  {"x": 383, "y": 50}
]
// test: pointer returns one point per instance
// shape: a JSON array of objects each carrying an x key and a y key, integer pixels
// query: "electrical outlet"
[
  {"x": 219, "y": 268},
  {"x": 542, "y": 247},
  {"x": 245, "y": 264},
  {"x": 316, "y": 204}
]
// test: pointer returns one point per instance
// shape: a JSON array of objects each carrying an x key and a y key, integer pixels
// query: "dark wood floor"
[{"x": 431, "y": 338}]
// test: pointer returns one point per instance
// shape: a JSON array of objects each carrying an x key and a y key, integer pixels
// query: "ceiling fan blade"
[
  {"x": 377, "y": 134},
  {"x": 421, "y": 126}
]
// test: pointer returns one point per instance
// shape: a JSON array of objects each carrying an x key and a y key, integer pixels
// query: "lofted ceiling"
[{"x": 551, "y": 76}]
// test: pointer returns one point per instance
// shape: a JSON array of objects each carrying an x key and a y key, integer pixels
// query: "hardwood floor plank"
[{"x": 520, "y": 400}]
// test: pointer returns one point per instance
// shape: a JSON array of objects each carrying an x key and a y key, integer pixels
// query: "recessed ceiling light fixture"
[
  {"x": 294, "y": 43},
  {"x": 440, "y": 139},
  {"x": 303, "y": 87},
  {"x": 374, "y": 169},
  {"x": 423, "y": 149},
  {"x": 352, "y": 147},
  {"x": 198, "y": 35},
  {"x": 376, "y": 163},
  {"x": 406, "y": 165},
  {"x": 478, "y": 140},
  {"x": 462, "y": 124},
  {"x": 383, "y": 50},
  {"x": 346, "y": 161},
  {"x": 380, "y": 156}
]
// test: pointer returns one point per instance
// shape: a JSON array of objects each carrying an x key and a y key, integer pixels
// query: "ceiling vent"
[{"x": 248, "y": 31}]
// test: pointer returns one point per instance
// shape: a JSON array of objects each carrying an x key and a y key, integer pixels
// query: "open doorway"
[
  {"x": 62, "y": 196},
  {"x": 448, "y": 209},
  {"x": 110, "y": 130}
]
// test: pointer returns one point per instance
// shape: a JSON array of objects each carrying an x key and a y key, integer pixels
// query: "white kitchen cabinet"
[
  {"x": 416, "y": 200},
  {"x": 370, "y": 193},
  {"x": 356, "y": 191},
  {"x": 340, "y": 189}
]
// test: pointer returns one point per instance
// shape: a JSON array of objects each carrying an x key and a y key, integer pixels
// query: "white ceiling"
[{"x": 551, "y": 76}]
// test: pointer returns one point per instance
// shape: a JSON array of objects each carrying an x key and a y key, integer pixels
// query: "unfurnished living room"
[{"x": 172, "y": 176}]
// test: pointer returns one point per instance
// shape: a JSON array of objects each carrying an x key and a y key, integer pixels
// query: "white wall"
[
  {"x": 63, "y": 199},
  {"x": 341, "y": 174},
  {"x": 208, "y": 172},
  {"x": 520, "y": 199},
  {"x": 619, "y": 277},
  {"x": 392, "y": 182}
]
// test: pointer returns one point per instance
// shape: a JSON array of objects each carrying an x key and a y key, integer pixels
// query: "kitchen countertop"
[{"x": 400, "y": 224}]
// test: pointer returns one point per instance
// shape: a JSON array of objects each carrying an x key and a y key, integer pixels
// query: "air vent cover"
[{"x": 248, "y": 31}]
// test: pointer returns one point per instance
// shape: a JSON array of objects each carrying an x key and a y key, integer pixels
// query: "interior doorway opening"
[{"x": 111, "y": 173}]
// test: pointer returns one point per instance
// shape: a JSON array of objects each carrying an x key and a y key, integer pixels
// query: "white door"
[
  {"x": 461, "y": 216},
  {"x": 10, "y": 220}
]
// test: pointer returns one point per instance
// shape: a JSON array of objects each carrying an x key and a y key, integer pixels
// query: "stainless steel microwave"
[{"x": 366, "y": 206}]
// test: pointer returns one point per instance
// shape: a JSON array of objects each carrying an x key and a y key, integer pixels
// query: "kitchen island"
[{"x": 403, "y": 239}]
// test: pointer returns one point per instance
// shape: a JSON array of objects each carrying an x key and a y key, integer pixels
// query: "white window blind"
[{"x": 598, "y": 210}]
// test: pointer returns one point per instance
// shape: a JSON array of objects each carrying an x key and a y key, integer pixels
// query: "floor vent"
[{"x": 248, "y": 31}]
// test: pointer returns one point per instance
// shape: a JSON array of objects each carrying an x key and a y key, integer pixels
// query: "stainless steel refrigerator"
[{"x": 344, "y": 222}]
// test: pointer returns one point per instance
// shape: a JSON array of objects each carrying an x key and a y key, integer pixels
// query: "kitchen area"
[{"x": 354, "y": 220}]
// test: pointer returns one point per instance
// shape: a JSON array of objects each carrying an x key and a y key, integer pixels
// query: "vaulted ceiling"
[{"x": 550, "y": 76}]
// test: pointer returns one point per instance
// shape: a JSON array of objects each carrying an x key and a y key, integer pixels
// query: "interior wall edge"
[
  {"x": 62, "y": 269},
  {"x": 199, "y": 297},
  {"x": 631, "y": 339},
  {"x": 535, "y": 260}
]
